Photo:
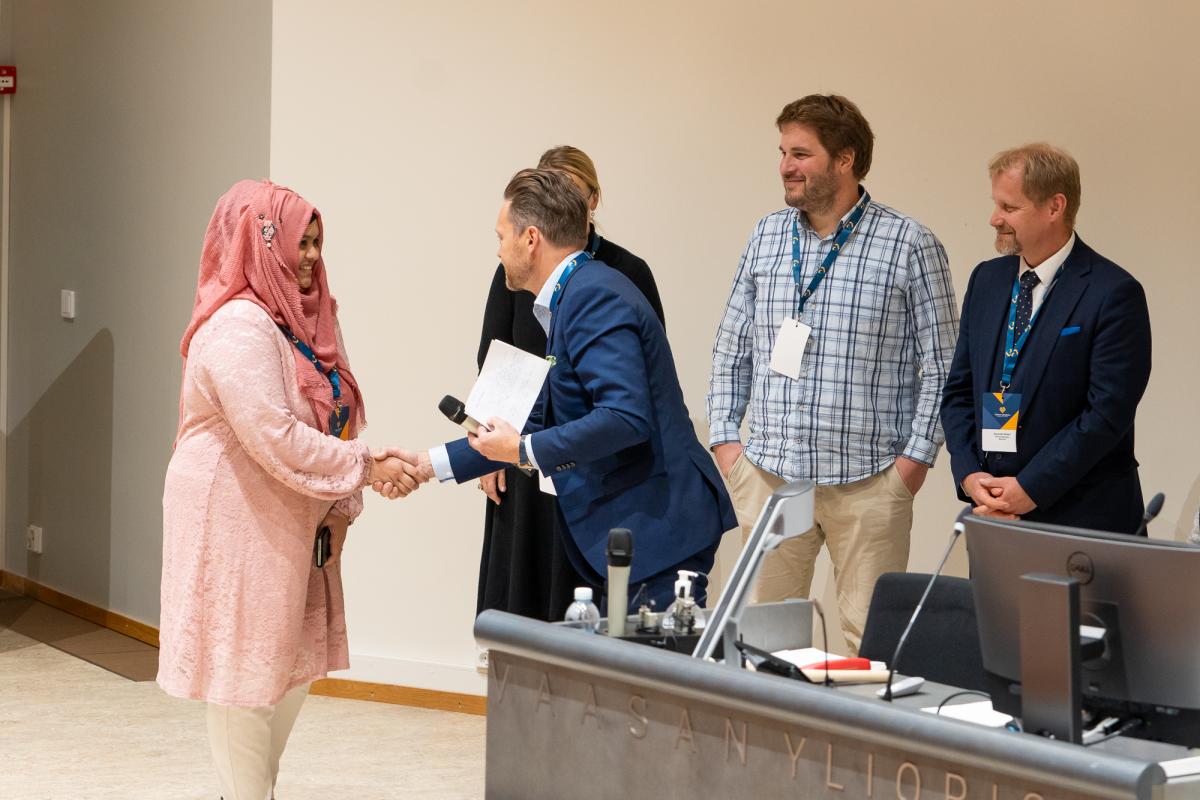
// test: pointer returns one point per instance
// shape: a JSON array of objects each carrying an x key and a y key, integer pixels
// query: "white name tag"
[
  {"x": 999, "y": 441},
  {"x": 789, "y": 348},
  {"x": 546, "y": 483}
]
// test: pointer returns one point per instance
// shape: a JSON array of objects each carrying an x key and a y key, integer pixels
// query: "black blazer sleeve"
[
  {"x": 636, "y": 270},
  {"x": 497, "y": 315}
]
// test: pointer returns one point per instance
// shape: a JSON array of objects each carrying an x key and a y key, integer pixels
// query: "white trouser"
[{"x": 247, "y": 743}]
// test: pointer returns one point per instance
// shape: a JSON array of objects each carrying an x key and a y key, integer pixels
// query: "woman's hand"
[
  {"x": 338, "y": 523},
  {"x": 494, "y": 485}
]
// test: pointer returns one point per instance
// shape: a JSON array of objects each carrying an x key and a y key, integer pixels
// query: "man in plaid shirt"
[{"x": 837, "y": 338}]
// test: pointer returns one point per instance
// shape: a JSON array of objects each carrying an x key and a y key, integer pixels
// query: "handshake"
[{"x": 396, "y": 472}]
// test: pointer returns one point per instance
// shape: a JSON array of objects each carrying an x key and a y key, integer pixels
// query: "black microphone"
[
  {"x": 620, "y": 556},
  {"x": 887, "y": 692},
  {"x": 456, "y": 412},
  {"x": 1152, "y": 509}
]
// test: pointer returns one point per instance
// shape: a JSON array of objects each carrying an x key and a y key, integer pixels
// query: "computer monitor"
[{"x": 1144, "y": 594}]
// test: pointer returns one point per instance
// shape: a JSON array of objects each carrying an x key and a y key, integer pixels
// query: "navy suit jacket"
[
  {"x": 1081, "y": 374},
  {"x": 613, "y": 433}
]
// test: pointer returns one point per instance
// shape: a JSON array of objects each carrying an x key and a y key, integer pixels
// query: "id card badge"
[
  {"x": 789, "y": 348},
  {"x": 1000, "y": 412},
  {"x": 546, "y": 484}
]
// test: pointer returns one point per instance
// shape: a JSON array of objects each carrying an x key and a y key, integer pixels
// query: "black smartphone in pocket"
[{"x": 323, "y": 547}]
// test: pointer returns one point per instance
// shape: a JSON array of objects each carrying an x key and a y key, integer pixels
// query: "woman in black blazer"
[{"x": 524, "y": 567}]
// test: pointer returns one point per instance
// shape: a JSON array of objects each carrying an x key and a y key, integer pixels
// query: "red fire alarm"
[{"x": 8, "y": 80}]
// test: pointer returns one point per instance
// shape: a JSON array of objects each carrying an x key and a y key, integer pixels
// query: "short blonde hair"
[
  {"x": 1046, "y": 170},
  {"x": 573, "y": 161}
]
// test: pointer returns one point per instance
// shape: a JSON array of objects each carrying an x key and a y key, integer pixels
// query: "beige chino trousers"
[
  {"x": 866, "y": 525},
  {"x": 248, "y": 742}
]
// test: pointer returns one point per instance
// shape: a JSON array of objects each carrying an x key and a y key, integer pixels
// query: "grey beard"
[{"x": 1013, "y": 249}]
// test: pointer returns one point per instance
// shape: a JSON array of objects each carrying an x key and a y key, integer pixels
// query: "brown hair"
[
  {"x": 1046, "y": 170},
  {"x": 546, "y": 199},
  {"x": 573, "y": 161},
  {"x": 839, "y": 126}
]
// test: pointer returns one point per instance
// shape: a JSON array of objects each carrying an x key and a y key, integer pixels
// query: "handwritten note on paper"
[{"x": 508, "y": 385}]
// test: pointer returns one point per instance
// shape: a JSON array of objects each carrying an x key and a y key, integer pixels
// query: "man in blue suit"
[
  {"x": 610, "y": 429},
  {"x": 1052, "y": 359}
]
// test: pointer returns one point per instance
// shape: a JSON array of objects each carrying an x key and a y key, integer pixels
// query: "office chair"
[{"x": 944, "y": 643}]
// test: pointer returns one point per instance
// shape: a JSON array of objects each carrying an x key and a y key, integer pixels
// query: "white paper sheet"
[
  {"x": 508, "y": 385},
  {"x": 808, "y": 656},
  {"x": 980, "y": 713}
]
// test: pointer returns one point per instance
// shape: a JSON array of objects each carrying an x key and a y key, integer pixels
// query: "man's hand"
[
  {"x": 337, "y": 522},
  {"x": 500, "y": 442},
  {"x": 912, "y": 473},
  {"x": 1007, "y": 496},
  {"x": 726, "y": 454},
  {"x": 979, "y": 495},
  {"x": 494, "y": 485},
  {"x": 985, "y": 504},
  {"x": 398, "y": 472}
]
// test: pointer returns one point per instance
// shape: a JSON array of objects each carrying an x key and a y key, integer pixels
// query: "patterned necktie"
[{"x": 1025, "y": 302}]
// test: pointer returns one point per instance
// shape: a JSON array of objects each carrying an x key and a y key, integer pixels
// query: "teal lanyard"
[
  {"x": 340, "y": 414},
  {"x": 1012, "y": 343},
  {"x": 576, "y": 262},
  {"x": 843, "y": 236}
]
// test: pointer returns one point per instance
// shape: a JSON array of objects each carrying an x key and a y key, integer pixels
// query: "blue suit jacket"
[
  {"x": 615, "y": 436},
  {"x": 1081, "y": 374}
]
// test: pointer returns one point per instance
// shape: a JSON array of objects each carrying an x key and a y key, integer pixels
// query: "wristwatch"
[{"x": 523, "y": 453}]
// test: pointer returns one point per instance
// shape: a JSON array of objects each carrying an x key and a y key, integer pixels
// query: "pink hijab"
[{"x": 251, "y": 252}]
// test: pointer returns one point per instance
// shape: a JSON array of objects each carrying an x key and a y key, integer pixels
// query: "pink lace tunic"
[{"x": 246, "y": 616}]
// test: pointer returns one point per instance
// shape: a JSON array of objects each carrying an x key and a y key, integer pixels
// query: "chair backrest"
[{"x": 944, "y": 643}]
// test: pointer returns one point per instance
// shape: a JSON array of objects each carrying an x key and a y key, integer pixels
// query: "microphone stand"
[{"x": 887, "y": 694}]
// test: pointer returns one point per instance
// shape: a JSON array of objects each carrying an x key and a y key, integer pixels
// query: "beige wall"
[
  {"x": 403, "y": 122},
  {"x": 131, "y": 117}
]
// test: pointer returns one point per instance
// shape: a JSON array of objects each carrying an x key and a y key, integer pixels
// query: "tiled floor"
[
  {"x": 71, "y": 730},
  {"x": 113, "y": 651}
]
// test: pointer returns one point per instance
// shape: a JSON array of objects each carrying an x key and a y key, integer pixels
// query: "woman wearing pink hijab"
[{"x": 266, "y": 476}]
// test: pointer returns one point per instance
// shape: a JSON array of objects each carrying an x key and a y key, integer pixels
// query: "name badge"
[
  {"x": 1000, "y": 412},
  {"x": 789, "y": 348}
]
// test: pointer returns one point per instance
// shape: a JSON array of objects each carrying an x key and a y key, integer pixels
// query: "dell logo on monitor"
[{"x": 1079, "y": 567}]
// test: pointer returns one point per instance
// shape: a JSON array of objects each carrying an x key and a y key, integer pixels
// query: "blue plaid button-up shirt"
[{"x": 884, "y": 324}]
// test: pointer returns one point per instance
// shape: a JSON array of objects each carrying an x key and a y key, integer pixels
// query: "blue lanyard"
[
  {"x": 576, "y": 262},
  {"x": 847, "y": 228},
  {"x": 340, "y": 415},
  {"x": 1012, "y": 349}
]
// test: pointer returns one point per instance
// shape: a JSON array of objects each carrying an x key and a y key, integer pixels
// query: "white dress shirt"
[{"x": 1046, "y": 272}]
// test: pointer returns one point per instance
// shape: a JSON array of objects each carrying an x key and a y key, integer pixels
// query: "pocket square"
[{"x": 1069, "y": 331}]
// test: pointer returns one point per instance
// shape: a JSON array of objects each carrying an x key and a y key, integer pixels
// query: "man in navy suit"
[
  {"x": 610, "y": 429},
  {"x": 1052, "y": 359}
]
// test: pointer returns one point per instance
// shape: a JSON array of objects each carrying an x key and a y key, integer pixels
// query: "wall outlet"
[
  {"x": 481, "y": 661},
  {"x": 33, "y": 539}
]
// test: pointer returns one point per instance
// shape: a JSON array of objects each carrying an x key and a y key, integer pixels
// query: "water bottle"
[{"x": 583, "y": 611}]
